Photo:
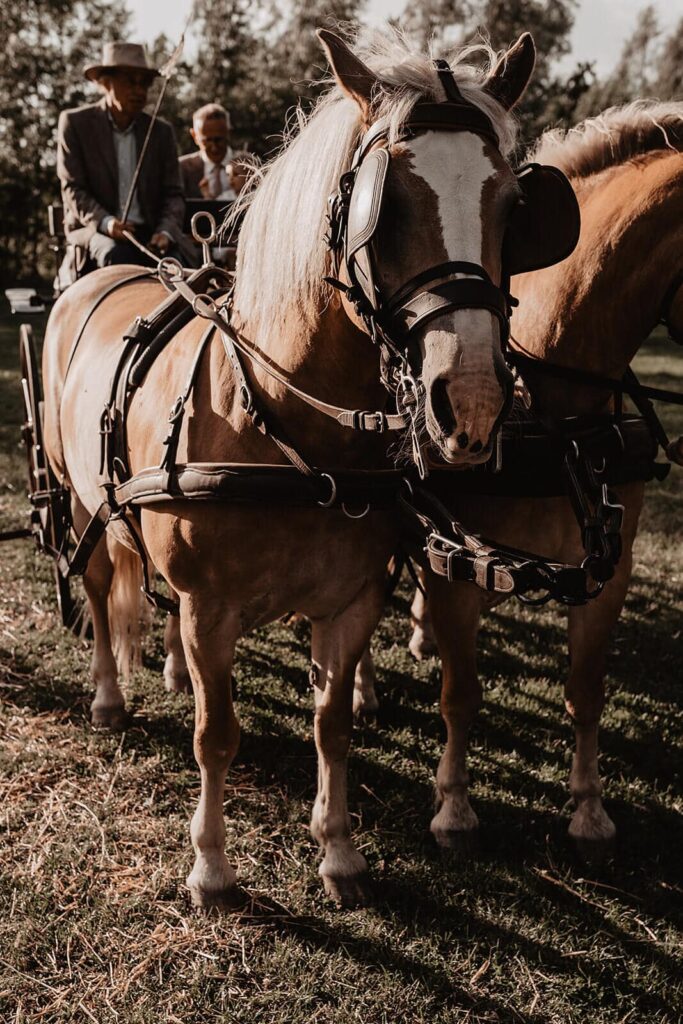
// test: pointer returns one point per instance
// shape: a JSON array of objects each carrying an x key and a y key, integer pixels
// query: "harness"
[{"x": 430, "y": 531}]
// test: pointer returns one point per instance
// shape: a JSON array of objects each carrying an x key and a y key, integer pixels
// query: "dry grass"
[{"x": 95, "y": 922}]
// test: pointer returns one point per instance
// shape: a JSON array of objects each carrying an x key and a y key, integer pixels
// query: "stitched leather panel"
[
  {"x": 544, "y": 229},
  {"x": 240, "y": 483},
  {"x": 366, "y": 201}
]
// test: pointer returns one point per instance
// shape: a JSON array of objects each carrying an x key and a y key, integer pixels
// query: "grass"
[{"x": 95, "y": 922}]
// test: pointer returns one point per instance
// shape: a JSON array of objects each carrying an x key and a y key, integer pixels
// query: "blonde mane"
[
  {"x": 612, "y": 138},
  {"x": 282, "y": 254}
]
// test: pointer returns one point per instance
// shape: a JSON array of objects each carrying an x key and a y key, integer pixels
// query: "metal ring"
[
  {"x": 211, "y": 237},
  {"x": 169, "y": 267},
  {"x": 204, "y": 306},
  {"x": 350, "y": 515},
  {"x": 333, "y": 492}
]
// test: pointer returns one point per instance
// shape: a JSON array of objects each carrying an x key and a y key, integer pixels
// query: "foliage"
[
  {"x": 46, "y": 44},
  {"x": 261, "y": 59},
  {"x": 650, "y": 66}
]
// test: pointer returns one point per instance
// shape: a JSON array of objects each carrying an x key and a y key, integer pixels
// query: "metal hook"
[
  {"x": 205, "y": 240},
  {"x": 350, "y": 515},
  {"x": 333, "y": 491}
]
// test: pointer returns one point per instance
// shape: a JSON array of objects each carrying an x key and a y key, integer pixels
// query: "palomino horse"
[
  {"x": 592, "y": 312},
  {"x": 233, "y": 566}
]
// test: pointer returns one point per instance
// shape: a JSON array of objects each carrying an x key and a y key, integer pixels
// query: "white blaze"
[{"x": 456, "y": 167}]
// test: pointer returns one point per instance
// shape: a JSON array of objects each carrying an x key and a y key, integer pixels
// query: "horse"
[
  {"x": 447, "y": 196},
  {"x": 592, "y": 312}
]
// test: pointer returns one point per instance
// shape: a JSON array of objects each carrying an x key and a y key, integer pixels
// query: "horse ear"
[
  {"x": 353, "y": 76},
  {"x": 510, "y": 77}
]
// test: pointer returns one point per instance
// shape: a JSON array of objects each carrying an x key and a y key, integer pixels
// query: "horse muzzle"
[{"x": 466, "y": 403}]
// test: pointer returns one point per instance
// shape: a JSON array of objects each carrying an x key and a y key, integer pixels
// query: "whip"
[{"x": 166, "y": 74}]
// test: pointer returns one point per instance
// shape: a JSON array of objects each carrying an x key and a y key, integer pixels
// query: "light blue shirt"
[{"x": 126, "y": 161}]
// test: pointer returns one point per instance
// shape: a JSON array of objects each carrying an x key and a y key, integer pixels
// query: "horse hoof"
[
  {"x": 229, "y": 900},
  {"x": 349, "y": 892},
  {"x": 178, "y": 682},
  {"x": 420, "y": 647},
  {"x": 365, "y": 715},
  {"x": 115, "y": 718},
  {"x": 461, "y": 843},
  {"x": 593, "y": 853}
]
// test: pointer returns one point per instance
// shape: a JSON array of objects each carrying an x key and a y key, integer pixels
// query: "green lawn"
[{"x": 95, "y": 922}]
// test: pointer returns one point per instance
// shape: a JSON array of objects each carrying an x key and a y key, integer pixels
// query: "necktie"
[{"x": 215, "y": 184}]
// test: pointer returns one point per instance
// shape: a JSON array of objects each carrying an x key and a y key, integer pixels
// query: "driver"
[{"x": 97, "y": 153}]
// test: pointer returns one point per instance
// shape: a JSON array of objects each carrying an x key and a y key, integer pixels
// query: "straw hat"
[{"x": 120, "y": 55}]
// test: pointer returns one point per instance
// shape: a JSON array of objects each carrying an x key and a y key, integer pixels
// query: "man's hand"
[
  {"x": 115, "y": 229},
  {"x": 161, "y": 242},
  {"x": 205, "y": 188}
]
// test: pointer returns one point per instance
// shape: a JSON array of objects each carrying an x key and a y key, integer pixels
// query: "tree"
[
  {"x": 668, "y": 84},
  {"x": 634, "y": 73},
  {"x": 46, "y": 45},
  {"x": 500, "y": 22}
]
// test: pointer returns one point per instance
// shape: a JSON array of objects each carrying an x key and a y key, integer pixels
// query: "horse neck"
[
  {"x": 593, "y": 311},
  {"x": 336, "y": 362}
]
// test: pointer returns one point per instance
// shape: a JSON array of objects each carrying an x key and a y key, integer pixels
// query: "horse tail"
[{"x": 127, "y": 608}]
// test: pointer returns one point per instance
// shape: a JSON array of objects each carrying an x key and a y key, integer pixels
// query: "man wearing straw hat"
[{"x": 97, "y": 154}]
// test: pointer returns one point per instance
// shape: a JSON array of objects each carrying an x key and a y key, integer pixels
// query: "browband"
[{"x": 457, "y": 117}]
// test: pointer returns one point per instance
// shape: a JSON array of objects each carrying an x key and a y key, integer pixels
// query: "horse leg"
[
  {"x": 455, "y": 609},
  {"x": 176, "y": 674},
  {"x": 337, "y": 644},
  {"x": 108, "y": 706},
  {"x": 208, "y": 637},
  {"x": 365, "y": 701},
  {"x": 590, "y": 631},
  {"x": 422, "y": 642}
]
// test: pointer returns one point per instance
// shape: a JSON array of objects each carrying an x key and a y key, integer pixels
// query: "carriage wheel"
[{"x": 48, "y": 518}]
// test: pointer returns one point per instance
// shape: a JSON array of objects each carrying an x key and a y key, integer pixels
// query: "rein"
[{"x": 641, "y": 394}]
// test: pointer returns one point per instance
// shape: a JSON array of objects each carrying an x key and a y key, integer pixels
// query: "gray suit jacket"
[
  {"x": 87, "y": 169},
  {"x": 192, "y": 171}
]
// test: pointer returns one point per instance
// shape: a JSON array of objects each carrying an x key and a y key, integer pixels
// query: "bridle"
[{"x": 392, "y": 321}]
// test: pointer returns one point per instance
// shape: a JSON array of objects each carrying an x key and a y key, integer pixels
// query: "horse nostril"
[
  {"x": 441, "y": 406},
  {"x": 463, "y": 440},
  {"x": 476, "y": 447}
]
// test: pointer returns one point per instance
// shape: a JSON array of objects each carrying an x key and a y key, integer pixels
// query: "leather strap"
[
  {"x": 447, "y": 79},
  {"x": 240, "y": 483},
  {"x": 358, "y": 419},
  {"x": 459, "y": 293}
]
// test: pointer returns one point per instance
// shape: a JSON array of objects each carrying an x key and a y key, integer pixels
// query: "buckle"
[
  {"x": 106, "y": 423},
  {"x": 176, "y": 409}
]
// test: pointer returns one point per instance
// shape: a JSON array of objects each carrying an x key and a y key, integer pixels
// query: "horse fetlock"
[
  {"x": 326, "y": 828},
  {"x": 455, "y": 824},
  {"x": 212, "y": 881},
  {"x": 364, "y": 697},
  {"x": 422, "y": 644},
  {"x": 176, "y": 676}
]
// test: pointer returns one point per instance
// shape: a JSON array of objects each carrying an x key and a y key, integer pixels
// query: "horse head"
[{"x": 427, "y": 205}]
